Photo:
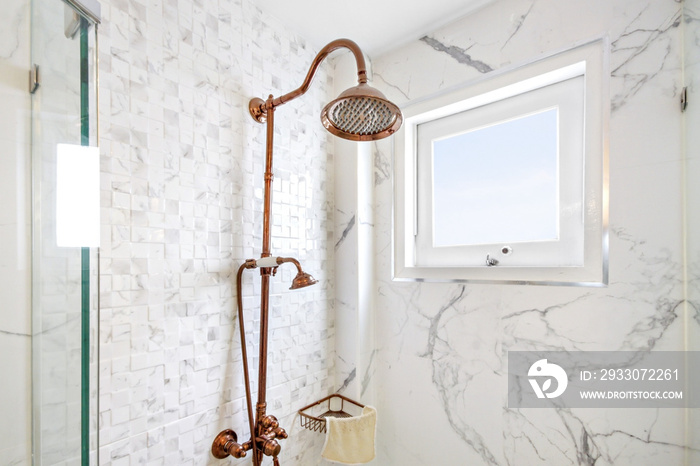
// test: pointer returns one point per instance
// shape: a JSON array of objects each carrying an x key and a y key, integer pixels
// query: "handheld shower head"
[
  {"x": 361, "y": 113},
  {"x": 301, "y": 280}
]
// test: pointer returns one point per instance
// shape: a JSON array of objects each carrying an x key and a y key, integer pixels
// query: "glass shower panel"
[{"x": 64, "y": 310}]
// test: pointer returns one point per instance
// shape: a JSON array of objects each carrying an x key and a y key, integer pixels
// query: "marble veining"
[
  {"x": 14, "y": 334},
  {"x": 11, "y": 38},
  {"x": 458, "y": 54},
  {"x": 369, "y": 372},
  {"x": 636, "y": 42},
  {"x": 450, "y": 379},
  {"x": 347, "y": 380},
  {"x": 382, "y": 167},
  {"x": 453, "y": 374},
  {"x": 346, "y": 231},
  {"x": 404, "y": 94},
  {"x": 517, "y": 24}
]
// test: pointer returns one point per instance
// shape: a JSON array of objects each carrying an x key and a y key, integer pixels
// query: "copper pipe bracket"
[
  {"x": 225, "y": 444},
  {"x": 256, "y": 106}
]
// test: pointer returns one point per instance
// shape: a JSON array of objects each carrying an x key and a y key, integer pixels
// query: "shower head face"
[
  {"x": 361, "y": 113},
  {"x": 302, "y": 280}
]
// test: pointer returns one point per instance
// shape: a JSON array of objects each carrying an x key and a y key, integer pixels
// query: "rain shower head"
[{"x": 361, "y": 113}]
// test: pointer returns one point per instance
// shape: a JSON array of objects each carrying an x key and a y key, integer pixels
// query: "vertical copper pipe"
[
  {"x": 265, "y": 271},
  {"x": 268, "y": 177},
  {"x": 264, "y": 307},
  {"x": 265, "y": 279},
  {"x": 262, "y": 370}
]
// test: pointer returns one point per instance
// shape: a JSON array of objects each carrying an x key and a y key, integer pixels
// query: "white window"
[{"x": 505, "y": 179}]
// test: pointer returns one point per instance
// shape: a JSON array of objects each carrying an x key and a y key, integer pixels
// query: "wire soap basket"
[{"x": 317, "y": 422}]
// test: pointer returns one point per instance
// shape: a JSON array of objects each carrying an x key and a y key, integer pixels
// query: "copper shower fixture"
[{"x": 360, "y": 113}]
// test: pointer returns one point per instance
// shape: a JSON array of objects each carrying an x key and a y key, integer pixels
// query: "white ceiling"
[{"x": 376, "y": 25}]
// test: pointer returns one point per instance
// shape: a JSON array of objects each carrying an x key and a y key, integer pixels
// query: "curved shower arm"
[{"x": 325, "y": 51}]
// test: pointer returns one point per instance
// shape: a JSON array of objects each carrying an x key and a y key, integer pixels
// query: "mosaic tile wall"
[{"x": 182, "y": 208}]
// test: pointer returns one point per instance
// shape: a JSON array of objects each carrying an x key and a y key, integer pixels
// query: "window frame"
[{"x": 588, "y": 60}]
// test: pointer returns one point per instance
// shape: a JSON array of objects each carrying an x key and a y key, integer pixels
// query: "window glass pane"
[{"x": 497, "y": 184}]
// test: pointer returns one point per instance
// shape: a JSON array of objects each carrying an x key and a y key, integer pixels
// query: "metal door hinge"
[
  {"x": 684, "y": 99},
  {"x": 34, "y": 79}
]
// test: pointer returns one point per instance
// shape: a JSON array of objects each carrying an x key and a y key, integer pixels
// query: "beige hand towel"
[{"x": 351, "y": 440}]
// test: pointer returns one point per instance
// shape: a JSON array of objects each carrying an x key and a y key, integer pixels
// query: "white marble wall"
[
  {"x": 182, "y": 208},
  {"x": 692, "y": 151},
  {"x": 15, "y": 236},
  {"x": 692, "y": 141},
  {"x": 441, "y": 349}
]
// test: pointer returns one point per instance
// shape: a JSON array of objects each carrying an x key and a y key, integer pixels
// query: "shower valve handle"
[
  {"x": 225, "y": 444},
  {"x": 269, "y": 422},
  {"x": 270, "y": 447}
]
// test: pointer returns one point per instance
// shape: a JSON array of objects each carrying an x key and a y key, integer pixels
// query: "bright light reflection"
[{"x": 77, "y": 196}]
